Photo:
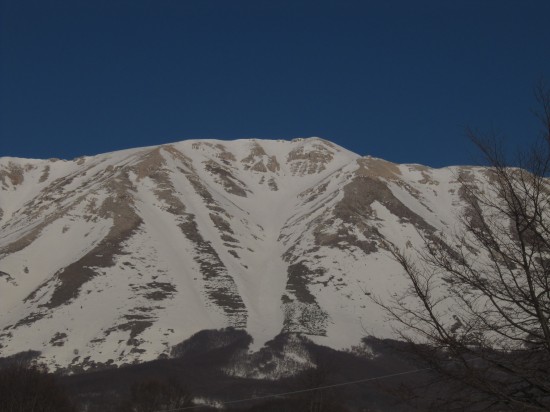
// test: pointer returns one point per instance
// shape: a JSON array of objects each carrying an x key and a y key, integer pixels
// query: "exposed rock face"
[{"x": 117, "y": 257}]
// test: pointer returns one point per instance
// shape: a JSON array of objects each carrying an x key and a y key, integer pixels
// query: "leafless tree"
[{"x": 477, "y": 308}]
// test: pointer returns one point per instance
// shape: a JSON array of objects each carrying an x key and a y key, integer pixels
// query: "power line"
[{"x": 301, "y": 391}]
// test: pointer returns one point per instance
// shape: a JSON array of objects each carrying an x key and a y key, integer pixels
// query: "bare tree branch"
[{"x": 485, "y": 292}]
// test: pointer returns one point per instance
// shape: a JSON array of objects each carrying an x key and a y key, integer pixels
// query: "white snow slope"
[{"x": 115, "y": 258}]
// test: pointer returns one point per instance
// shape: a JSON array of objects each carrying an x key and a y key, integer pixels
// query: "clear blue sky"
[{"x": 395, "y": 79}]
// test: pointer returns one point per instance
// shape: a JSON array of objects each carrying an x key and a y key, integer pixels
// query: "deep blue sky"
[{"x": 395, "y": 79}]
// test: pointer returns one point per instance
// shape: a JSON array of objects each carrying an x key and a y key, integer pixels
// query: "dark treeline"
[
  {"x": 215, "y": 365},
  {"x": 25, "y": 387},
  {"x": 168, "y": 385},
  {"x": 199, "y": 376}
]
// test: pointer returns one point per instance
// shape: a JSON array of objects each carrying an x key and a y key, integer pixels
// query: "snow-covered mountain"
[{"x": 118, "y": 257}]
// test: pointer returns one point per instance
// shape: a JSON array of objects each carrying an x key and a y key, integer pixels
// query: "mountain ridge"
[{"x": 115, "y": 258}]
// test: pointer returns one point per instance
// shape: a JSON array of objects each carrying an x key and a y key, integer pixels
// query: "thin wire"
[{"x": 300, "y": 391}]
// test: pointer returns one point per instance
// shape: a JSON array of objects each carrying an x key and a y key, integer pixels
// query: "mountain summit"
[{"x": 118, "y": 257}]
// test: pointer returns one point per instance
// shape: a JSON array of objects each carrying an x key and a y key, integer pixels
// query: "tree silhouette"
[{"x": 477, "y": 308}]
